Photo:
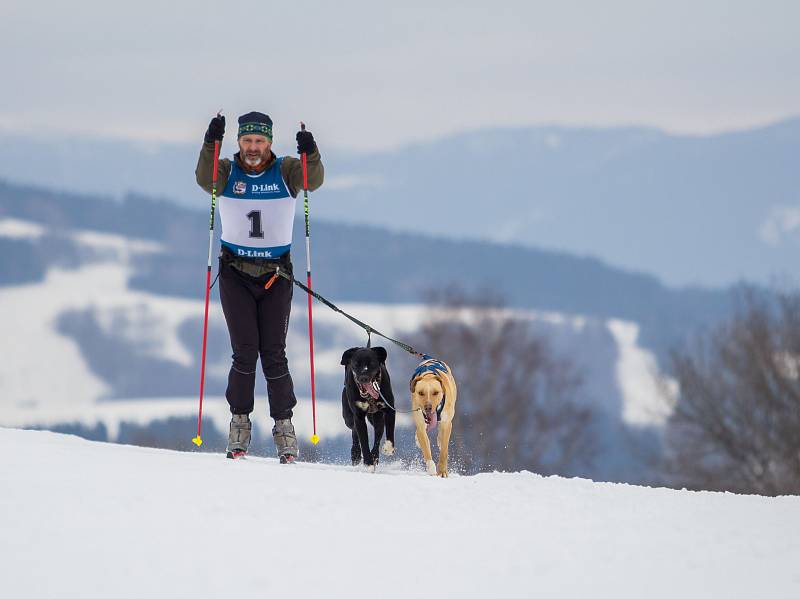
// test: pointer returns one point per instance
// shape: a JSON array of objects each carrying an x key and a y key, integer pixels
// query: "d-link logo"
[{"x": 265, "y": 188}]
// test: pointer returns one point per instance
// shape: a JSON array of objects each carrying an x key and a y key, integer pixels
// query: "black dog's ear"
[
  {"x": 347, "y": 355},
  {"x": 381, "y": 353}
]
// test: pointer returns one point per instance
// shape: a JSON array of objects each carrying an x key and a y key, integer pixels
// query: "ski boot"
[
  {"x": 285, "y": 440},
  {"x": 239, "y": 436}
]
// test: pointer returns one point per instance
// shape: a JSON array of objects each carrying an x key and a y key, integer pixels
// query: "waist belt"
[{"x": 255, "y": 267}]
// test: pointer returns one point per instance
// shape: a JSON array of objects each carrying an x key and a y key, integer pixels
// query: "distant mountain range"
[{"x": 703, "y": 210}]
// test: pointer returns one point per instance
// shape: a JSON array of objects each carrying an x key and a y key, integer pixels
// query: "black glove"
[
  {"x": 216, "y": 129},
  {"x": 305, "y": 142}
]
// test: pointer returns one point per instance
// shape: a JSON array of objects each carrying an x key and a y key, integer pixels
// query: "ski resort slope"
[{"x": 94, "y": 520}]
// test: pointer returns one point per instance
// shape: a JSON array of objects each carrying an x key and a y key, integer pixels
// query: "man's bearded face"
[{"x": 255, "y": 149}]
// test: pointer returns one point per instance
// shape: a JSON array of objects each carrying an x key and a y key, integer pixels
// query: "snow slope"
[{"x": 83, "y": 519}]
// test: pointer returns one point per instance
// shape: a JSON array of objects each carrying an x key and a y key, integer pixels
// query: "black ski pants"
[{"x": 258, "y": 320}]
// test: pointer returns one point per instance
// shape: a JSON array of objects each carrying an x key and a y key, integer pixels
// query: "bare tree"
[
  {"x": 517, "y": 406},
  {"x": 736, "y": 422}
]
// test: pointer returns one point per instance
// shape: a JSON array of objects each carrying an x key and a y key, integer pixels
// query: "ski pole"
[
  {"x": 303, "y": 159},
  {"x": 198, "y": 440}
]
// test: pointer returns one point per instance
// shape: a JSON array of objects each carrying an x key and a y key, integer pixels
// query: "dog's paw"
[
  {"x": 371, "y": 468},
  {"x": 430, "y": 467},
  {"x": 441, "y": 470},
  {"x": 388, "y": 448}
]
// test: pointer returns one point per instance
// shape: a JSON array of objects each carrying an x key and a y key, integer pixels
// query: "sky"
[{"x": 374, "y": 75}]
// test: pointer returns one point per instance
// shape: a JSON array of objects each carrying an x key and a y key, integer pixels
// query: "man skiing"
[{"x": 256, "y": 211}]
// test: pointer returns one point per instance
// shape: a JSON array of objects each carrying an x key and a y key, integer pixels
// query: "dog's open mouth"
[
  {"x": 430, "y": 418},
  {"x": 368, "y": 389}
]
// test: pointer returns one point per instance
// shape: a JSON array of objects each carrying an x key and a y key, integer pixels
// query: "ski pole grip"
[
  {"x": 216, "y": 162},
  {"x": 303, "y": 161}
]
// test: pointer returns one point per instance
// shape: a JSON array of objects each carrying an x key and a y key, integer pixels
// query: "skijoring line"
[
  {"x": 378, "y": 389},
  {"x": 370, "y": 330}
]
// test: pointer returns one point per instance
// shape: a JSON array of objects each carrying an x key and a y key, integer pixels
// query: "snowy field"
[{"x": 94, "y": 520}]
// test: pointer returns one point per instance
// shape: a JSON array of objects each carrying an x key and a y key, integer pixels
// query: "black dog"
[{"x": 367, "y": 390}]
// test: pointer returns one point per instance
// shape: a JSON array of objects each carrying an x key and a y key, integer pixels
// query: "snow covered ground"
[{"x": 94, "y": 520}]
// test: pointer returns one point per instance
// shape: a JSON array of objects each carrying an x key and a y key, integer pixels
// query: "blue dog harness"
[{"x": 428, "y": 364}]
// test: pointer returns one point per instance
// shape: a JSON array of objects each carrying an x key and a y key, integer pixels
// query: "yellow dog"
[{"x": 433, "y": 400}]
